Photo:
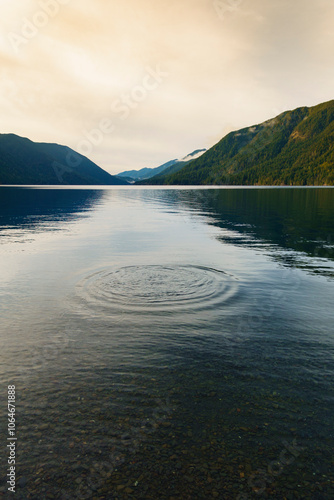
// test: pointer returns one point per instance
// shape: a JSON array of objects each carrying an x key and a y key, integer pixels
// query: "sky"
[{"x": 137, "y": 83}]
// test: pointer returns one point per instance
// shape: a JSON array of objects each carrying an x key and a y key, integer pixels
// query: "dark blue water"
[{"x": 168, "y": 343}]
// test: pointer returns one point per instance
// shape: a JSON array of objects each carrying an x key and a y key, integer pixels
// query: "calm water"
[{"x": 168, "y": 343}]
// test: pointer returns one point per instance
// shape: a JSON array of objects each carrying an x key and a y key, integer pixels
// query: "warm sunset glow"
[{"x": 170, "y": 76}]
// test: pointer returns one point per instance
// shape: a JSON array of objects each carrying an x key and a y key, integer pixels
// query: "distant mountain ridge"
[
  {"x": 26, "y": 162},
  {"x": 295, "y": 148},
  {"x": 144, "y": 173},
  {"x": 147, "y": 173}
]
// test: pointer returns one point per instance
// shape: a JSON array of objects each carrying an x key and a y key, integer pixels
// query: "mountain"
[
  {"x": 295, "y": 148},
  {"x": 144, "y": 173},
  {"x": 179, "y": 164},
  {"x": 148, "y": 173},
  {"x": 25, "y": 162}
]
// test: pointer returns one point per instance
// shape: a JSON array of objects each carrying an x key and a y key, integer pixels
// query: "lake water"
[{"x": 168, "y": 343}]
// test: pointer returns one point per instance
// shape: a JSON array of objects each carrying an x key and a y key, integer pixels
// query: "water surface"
[{"x": 169, "y": 343}]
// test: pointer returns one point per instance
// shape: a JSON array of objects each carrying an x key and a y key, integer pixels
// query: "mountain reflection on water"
[
  {"x": 168, "y": 343},
  {"x": 292, "y": 224},
  {"x": 299, "y": 220},
  {"x": 38, "y": 209}
]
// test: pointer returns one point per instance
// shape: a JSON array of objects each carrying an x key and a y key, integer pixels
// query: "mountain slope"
[
  {"x": 144, "y": 173},
  {"x": 175, "y": 166},
  {"x": 295, "y": 148},
  {"x": 25, "y": 162}
]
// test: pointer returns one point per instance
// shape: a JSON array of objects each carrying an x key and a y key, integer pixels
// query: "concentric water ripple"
[{"x": 156, "y": 289}]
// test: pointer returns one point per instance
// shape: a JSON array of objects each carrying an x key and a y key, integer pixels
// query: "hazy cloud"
[{"x": 67, "y": 66}]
